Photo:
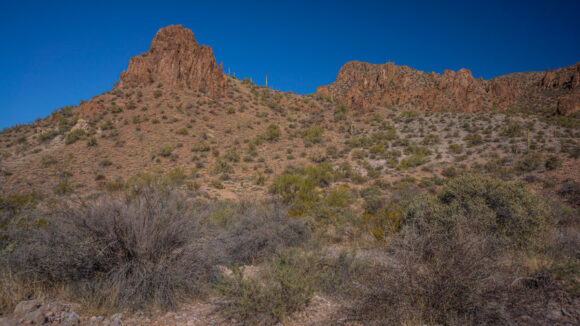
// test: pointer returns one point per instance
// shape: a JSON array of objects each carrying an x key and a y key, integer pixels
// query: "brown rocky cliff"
[
  {"x": 363, "y": 85},
  {"x": 178, "y": 61},
  {"x": 568, "y": 77}
]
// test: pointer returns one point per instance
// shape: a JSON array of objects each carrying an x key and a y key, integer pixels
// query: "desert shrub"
[
  {"x": 200, "y": 147},
  {"x": 418, "y": 155},
  {"x": 120, "y": 252},
  {"x": 286, "y": 284},
  {"x": 217, "y": 184},
  {"x": 182, "y": 131},
  {"x": 157, "y": 93},
  {"x": 313, "y": 135},
  {"x": 48, "y": 135},
  {"x": 116, "y": 109},
  {"x": 165, "y": 151},
  {"x": 553, "y": 162},
  {"x": 222, "y": 167},
  {"x": 107, "y": 125},
  {"x": 254, "y": 232},
  {"x": 529, "y": 162},
  {"x": 174, "y": 177},
  {"x": 298, "y": 187},
  {"x": 63, "y": 187},
  {"x": 455, "y": 148},
  {"x": 440, "y": 276},
  {"x": 105, "y": 163},
  {"x": 149, "y": 248},
  {"x": 291, "y": 185},
  {"x": 272, "y": 133},
  {"x": 449, "y": 172},
  {"x": 431, "y": 139},
  {"x": 48, "y": 160},
  {"x": 340, "y": 112},
  {"x": 73, "y": 136},
  {"x": 413, "y": 161},
  {"x": 513, "y": 129},
  {"x": 510, "y": 211},
  {"x": 570, "y": 190},
  {"x": 92, "y": 141},
  {"x": 383, "y": 221},
  {"x": 232, "y": 156},
  {"x": 473, "y": 139}
]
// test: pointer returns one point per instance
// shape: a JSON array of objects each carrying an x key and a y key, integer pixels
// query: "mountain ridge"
[{"x": 362, "y": 85}]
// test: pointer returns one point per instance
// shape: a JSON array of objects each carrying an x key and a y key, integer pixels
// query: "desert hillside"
[{"x": 186, "y": 196}]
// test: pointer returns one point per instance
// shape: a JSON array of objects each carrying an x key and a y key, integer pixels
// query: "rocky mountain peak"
[{"x": 175, "y": 59}]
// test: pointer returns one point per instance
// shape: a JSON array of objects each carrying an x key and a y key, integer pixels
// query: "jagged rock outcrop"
[
  {"x": 178, "y": 61},
  {"x": 362, "y": 85},
  {"x": 567, "y": 78},
  {"x": 569, "y": 104}
]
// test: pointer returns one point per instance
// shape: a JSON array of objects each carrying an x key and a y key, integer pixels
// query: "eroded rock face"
[
  {"x": 569, "y": 104},
  {"x": 363, "y": 85},
  {"x": 178, "y": 61},
  {"x": 567, "y": 78}
]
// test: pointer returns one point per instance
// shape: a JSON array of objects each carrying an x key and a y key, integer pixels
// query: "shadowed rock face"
[
  {"x": 363, "y": 85},
  {"x": 178, "y": 61}
]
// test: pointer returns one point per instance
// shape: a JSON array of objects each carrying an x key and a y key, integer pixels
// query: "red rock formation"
[
  {"x": 178, "y": 61},
  {"x": 363, "y": 85},
  {"x": 569, "y": 104},
  {"x": 568, "y": 78}
]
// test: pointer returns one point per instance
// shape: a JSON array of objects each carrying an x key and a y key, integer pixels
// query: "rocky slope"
[
  {"x": 174, "y": 108},
  {"x": 363, "y": 85}
]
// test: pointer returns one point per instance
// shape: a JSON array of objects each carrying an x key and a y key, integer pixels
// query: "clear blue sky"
[{"x": 55, "y": 53}]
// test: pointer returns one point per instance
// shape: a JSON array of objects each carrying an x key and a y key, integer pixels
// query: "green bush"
[
  {"x": 513, "y": 129},
  {"x": 340, "y": 112},
  {"x": 510, "y": 211},
  {"x": 287, "y": 285},
  {"x": 200, "y": 147},
  {"x": 473, "y": 139},
  {"x": 272, "y": 133},
  {"x": 48, "y": 160},
  {"x": 431, "y": 139},
  {"x": 165, "y": 151},
  {"x": 116, "y": 109},
  {"x": 217, "y": 184},
  {"x": 46, "y": 136},
  {"x": 313, "y": 134},
  {"x": 73, "y": 136},
  {"x": 455, "y": 148},
  {"x": 92, "y": 141},
  {"x": 529, "y": 162},
  {"x": 222, "y": 167}
]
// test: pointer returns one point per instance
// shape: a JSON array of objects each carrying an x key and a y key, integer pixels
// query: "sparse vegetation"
[{"x": 267, "y": 206}]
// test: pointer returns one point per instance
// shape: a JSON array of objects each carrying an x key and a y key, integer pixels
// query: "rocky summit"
[{"x": 178, "y": 61}]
